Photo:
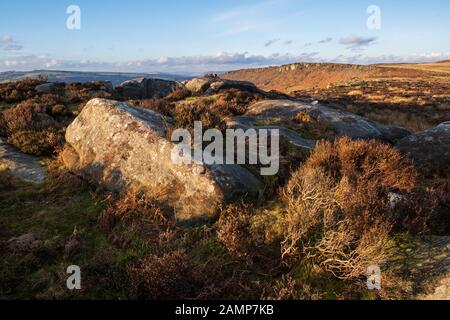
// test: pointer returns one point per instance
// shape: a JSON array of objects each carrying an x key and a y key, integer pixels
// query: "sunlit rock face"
[{"x": 122, "y": 147}]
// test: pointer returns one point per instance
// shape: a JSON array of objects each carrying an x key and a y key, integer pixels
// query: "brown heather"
[{"x": 338, "y": 209}]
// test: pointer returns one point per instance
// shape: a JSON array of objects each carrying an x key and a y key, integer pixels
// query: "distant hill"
[
  {"x": 74, "y": 76},
  {"x": 307, "y": 76}
]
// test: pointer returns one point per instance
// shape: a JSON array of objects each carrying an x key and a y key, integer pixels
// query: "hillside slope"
[
  {"x": 414, "y": 96},
  {"x": 301, "y": 76}
]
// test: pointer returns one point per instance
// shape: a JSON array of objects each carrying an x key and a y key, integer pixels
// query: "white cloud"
[
  {"x": 7, "y": 43},
  {"x": 6, "y": 38},
  {"x": 357, "y": 42},
  {"x": 12, "y": 47},
  {"x": 222, "y": 61},
  {"x": 271, "y": 42},
  {"x": 415, "y": 58},
  {"x": 326, "y": 40}
]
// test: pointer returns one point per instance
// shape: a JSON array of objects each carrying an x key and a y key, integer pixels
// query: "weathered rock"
[
  {"x": 50, "y": 87},
  {"x": 426, "y": 263},
  {"x": 343, "y": 123},
  {"x": 23, "y": 243},
  {"x": 429, "y": 148},
  {"x": 123, "y": 147},
  {"x": 232, "y": 84},
  {"x": 108, "y": 85},
  {"x": 198, "y": 85},
  {"x": 248, "y": 122},
  {"x": 440, "y": 290},
  {"x": 143, "y": 88},
  {"x": 21, "y": 165}
]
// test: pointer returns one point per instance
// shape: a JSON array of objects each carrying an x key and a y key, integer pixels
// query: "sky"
[{"x": 199, "y": 36}]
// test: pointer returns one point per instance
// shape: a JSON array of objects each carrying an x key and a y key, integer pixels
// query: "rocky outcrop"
[
  {"x": 143, "y": 88},
  {"x": 198, "y": 85},
  {"x": 22, "y": 166},
  {"x": 108, "y": 85},
  {"x": 429, "y": 148},
  {"x": 50, "y": 87},
  {"x": 249, "y": 122},
  {"x": 122, "y": 147},
  {"x": 219, "y": 85},
  {"x": 343, "y": 123},
  {"x": 213, "y": 85}
]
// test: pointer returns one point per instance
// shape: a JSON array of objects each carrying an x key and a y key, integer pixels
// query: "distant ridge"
[
  {"x": 304, "y": 76},
  {"x": 78, "y": 76}
]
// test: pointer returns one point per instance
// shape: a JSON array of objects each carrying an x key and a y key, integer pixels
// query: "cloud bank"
[
  {"x": 199, "y": 64},
  {"x": 357, "y": 42}
]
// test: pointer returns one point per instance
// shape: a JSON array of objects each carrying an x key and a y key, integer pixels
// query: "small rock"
[
  {"x": 23, "y": 243},
  {"x": 20, "y": 165}
]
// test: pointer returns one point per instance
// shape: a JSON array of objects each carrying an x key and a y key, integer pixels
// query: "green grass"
[{"x": 51, "y": 214}]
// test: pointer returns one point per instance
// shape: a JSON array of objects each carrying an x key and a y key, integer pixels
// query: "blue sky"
[{"x": 198, "y": 36}]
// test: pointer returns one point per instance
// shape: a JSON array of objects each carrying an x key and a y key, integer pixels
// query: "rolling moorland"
[
  {"x": 414, "y": 96},
  {"x": 86, "y": 179}
]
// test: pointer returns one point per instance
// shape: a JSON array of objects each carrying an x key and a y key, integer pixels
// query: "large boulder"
[
  {"x": 50, "y": 87},
  {"x": 221, "y": 84},
  {"x": 248, "y": 122},
  {"x": 123, "y": 147},
  {"x": 198, "y": 85},
  {"x": 343, "y": 123},
  {"x": 213, "y": 85},
  {"x": 429, "y": 148},
  {"x": 143, "y": 88}
]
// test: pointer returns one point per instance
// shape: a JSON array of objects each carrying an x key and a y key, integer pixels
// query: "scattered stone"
[
  {"x": 20, "y": 165},
  {"x": 50, "y": 87},
  {"x": 426, "y": 264},
  {"x": 107, "y": 84},
  {"x": 248, "y": 122},
  {"x": 429, "y": 148},
  {"x": 23, "y": 243},
  {"x": 233, "y": 84},
  {"x": 123, "y": 147},
  {"x": 198, "y": 85},
  {"x": 143, "y": 88},
  {"x": 343, "y": 123}
]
